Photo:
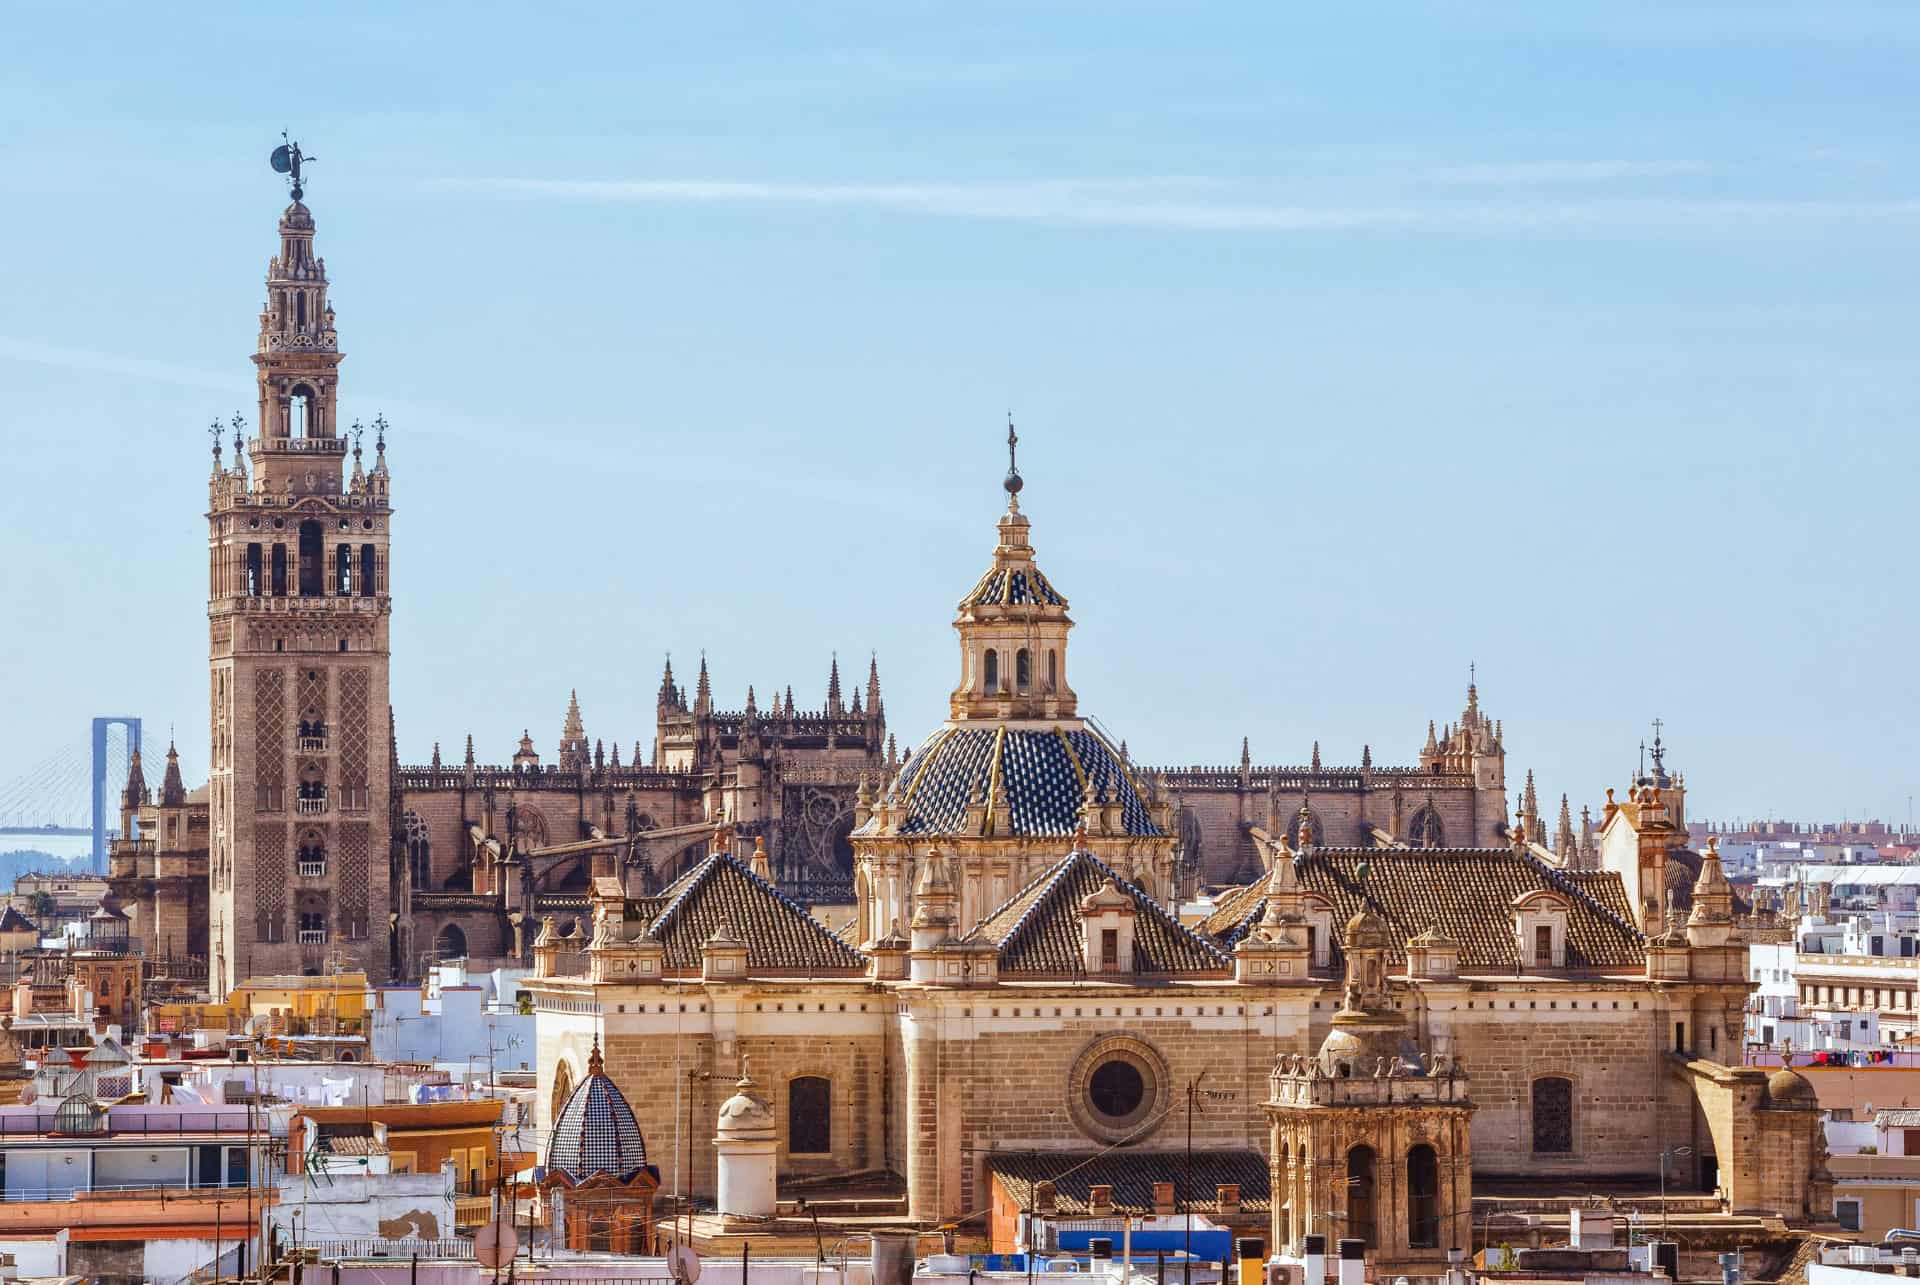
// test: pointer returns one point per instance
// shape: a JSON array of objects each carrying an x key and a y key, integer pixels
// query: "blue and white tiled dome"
[
  {"x": 596, "y": 1132},
  {"x": 1044, "y": 772},
  {"x": 1013, "y": 586}
]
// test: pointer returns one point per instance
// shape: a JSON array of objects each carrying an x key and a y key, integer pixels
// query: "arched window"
[
  {"x": 809, "y": 1115},
  {"x": 1423, "y": 1198},
  {"x": 366, "y": 571},
  {"x": 1425, "y": 830},
  {"x": 300, "y": 404},
  {"x": 254, "y": 586},
  {"x": 1053, "y": 670},
  {"x": 343, "y": 571},
  {"x": 312, "y": 559},
  {"x": 279, "y": 569},
  {"x": 1360, "y": 1196},
  {"x": 451, "y": 943},
  {"x": 419, "y": 850},
  {"x": 1022, "y": 670},
  {"x": 992, "y": 671},
  {"x": 1552, "y": 1115}
]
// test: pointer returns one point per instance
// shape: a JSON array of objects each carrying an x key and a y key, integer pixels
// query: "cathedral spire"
[
  {"x": 703, "y": 689},
  {"x": 136, "y": 791},
  {"x": 833, "y": 687},
  {"x": 173, "y": 791},
  {"x": 1563, "y": 841},
  {"x": 752, "y": 709},
  {"x": 1316, "y": 756},
  {"x": 873, "y": 685},
  {"x": 668, "y": 692}
]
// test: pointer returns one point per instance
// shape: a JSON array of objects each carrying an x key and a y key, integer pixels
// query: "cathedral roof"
[
  {"x": 722, "y": 895},
  {"x": 1013, "y": 586},
  {"x": 1039, "y": 929},
  {"x": 1043, "y": 771},
  {"x": 1465, "y": 893},
  {"x": 596, "y": 1132}
]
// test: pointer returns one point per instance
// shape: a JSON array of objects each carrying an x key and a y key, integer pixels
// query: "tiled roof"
[
  {"x": 1044, "y": 774},
  {"x": 1132, "y": 1174},
  {"x": 1039, "y": 930},
  {"x": 348, "y": 1140},
  {"x": 720, "y": 893},
  {"x": 1467, "y": 893},
  {"x": 596, "y": 1133},
  {"x": 1013, "y": 587},
  {"x": 1897, "y": 1118},
  {"x": 12, "y": 921}
]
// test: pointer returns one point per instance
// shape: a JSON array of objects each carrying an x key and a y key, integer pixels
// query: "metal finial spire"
[
  {"x": 380, "y": 432},
  {"x": 238, "y": 424},
  {"x": 1013, "y": 482},
  {"x": 213, "y": 432}
]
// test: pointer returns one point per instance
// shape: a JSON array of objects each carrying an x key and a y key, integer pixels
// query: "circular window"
[
  {"x": 278, "y": 523},
  {"x": 1118, "y": 1089},
  {"x": 367, "y": 523}
]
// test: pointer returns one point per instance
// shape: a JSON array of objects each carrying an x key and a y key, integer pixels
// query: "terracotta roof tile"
[
  {"x": 1467, "y": 893},
  {"x": 1038, "y": 931},
  {"x": 1132, "y": 1174},
  {"x": 720, "y": 892}
]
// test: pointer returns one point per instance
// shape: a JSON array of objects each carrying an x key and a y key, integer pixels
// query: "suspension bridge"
[{"x": 73, "y": 794}]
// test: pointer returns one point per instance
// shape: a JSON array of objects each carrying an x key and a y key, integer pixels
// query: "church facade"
[{"x": 1017, "y": 986}]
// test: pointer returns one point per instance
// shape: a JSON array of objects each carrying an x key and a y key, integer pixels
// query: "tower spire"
[
  {"x": 873, "y": 685},
  {"x": 833, "y": 686},
  {"x": 1013, "y": 482},
  {"x": 703, "y": 689}
]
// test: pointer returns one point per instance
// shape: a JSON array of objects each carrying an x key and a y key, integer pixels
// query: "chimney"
[
  {"x": 1228, "y": 1195},
  {"x": 1100, "y": 1200},
  {"x": 1045, "y": 1201},
  {"x": 1162, "y": 1197},
  {"x": 1353, "y": 1262},
  {"x": 1313, "y": 1251}
]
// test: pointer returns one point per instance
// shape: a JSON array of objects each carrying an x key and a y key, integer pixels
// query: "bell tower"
[{"x": 298, "y": 609}]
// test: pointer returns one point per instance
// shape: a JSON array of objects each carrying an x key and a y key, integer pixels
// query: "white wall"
[
  {"x": 48, "y": 1173},
  {"x": 142, "y": 1167}
]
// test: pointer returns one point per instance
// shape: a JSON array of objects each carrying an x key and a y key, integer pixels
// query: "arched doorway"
[
  {"x": 1360, "y": 1196},
  {"x": 451, "y": 943}
]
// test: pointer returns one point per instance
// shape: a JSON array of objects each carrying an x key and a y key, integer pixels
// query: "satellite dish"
[
  {"x": 684, "y": 1263},
  {"x": 495, "y": 1245},
  {"x": 282, "y": 159}
]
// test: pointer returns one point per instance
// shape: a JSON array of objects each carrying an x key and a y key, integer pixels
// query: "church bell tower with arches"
[{"x": 298, "y": 608}]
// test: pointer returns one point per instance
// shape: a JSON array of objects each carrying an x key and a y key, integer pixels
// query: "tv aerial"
[{"x": 287, "y": 159}]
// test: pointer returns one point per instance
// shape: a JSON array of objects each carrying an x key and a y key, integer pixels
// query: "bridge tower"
[
  {"x": 298, "y": 611},
  {"x": 104, "y": 795}
]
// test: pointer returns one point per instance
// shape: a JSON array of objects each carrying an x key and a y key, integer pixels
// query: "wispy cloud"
[
  {"x": 1521, "y": 173},
  {"x": 1187, "y": 203},
  {"x": 100, "y": 363}
]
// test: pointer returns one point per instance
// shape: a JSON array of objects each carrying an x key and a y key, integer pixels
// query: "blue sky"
[{"x": 1350, "y": 345}]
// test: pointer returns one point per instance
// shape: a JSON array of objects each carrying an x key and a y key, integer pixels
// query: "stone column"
[{"x": 923, "y": 1113}]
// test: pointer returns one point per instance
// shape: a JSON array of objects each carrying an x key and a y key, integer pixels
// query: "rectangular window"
[
  {"x": 253, "y": 571},
  {"x": 366, "y": 571},
  {"x": 1543, "y": 946},
  {"x": 1109, "y": 948},
  {"x": 343, "y": 571},
  {"x": 1679, "y": 1037},
  {"x": 279, "y": 570},
  {"x": 1848, "y": 1214}
]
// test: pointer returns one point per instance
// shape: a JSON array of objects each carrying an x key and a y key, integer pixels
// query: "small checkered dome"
[{"x": 596, "y": 1132}]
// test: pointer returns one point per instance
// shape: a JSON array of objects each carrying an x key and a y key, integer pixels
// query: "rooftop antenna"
[{"x": 287, "y": 159}]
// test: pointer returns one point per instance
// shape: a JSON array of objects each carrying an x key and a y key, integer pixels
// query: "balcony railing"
[
  {"x": 312, "y": 744},
  {"x": 313, "y": 869},
  {"x": 310, "y": 807},
  {"x": 313, "y": 936}
]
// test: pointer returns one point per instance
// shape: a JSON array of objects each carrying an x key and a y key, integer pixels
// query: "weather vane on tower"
[{"x": 287, "y": 159}]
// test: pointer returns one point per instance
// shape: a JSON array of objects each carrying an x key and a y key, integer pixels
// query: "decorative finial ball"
[{"x": 1013, "y": 483}]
